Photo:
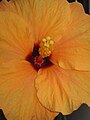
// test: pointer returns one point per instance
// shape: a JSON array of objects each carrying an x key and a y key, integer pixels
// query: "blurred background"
[{"x": 83, "y": 113}]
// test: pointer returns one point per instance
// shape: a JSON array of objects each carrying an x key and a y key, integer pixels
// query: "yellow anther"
[
  {"x": 46, "y": 47},
  {"x": 51, "y": 42},
  {"x": 48, "y": 38},
  {"x": 45, "y": 44},
  {"x": 44, "y": 40}
]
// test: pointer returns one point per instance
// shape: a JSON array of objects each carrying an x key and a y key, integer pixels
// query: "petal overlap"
[
  {"x": 63, "y": 90},
  {"x": 18, "y": 97},
  {"x": 48, "y": 17},
  {"x": 27, "y": 94},
  {"x": 15, "y": 37},
  {"x": 72, "y": 51}
]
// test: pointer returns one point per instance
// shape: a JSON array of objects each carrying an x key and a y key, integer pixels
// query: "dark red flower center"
[{"x": 36, "y": 60}]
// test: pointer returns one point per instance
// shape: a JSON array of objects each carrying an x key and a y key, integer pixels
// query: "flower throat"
[{"x": 39, "y": 58}]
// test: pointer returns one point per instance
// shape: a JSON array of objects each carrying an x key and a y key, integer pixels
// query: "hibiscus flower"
[{"x": 44, "y": 58}]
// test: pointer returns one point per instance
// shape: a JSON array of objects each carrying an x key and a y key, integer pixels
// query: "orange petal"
[
  {"x": 73, "y": 50},
  {"x": 18, "y": 95},
  {"x": 21, "y": 7},
  {"x": 63, "y": 90},
  {"x": 15, "y": 37},
  {"x": 4, "y": 4},
  {"x": 49, "y": 17}
]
